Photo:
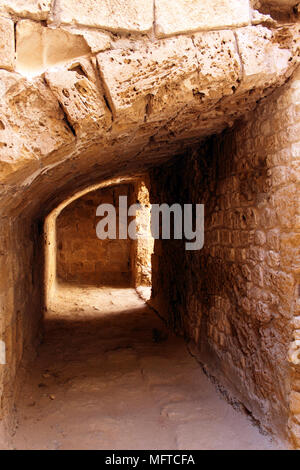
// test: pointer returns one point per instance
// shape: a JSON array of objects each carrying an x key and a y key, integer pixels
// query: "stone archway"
[{"x": 149, "y": 84}]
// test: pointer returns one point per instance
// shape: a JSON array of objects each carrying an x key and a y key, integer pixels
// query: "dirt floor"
[{"x": 106, "y": 377}]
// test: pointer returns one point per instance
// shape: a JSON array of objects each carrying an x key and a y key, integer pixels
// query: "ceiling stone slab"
[
  {"x": 156, "y": 81},
  {"x": 265, "y": 61},
  {"x": 31, "y": 110},
  {"x": 113, "y": 15},
  {"x": 81, "y": 101},
  {"x": 184, "y": 16}
]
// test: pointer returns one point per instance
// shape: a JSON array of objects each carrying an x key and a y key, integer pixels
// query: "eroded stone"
[
  {"x": 32, "y": 110},
  {"x": 184, "y": 16},
  {"x": 81, "y": 101},
  {"x": 33, "y": 9},
  {"x": 264, "y": 60},
  {"x": 96, "y": 40},
  {"x": 134, "y": 77},
  {"x": 157, "y": 81},
  {"x": 113, "y": 15},
  {"x": 39, "y": 48},
  {"x": 7, "y": 44}
]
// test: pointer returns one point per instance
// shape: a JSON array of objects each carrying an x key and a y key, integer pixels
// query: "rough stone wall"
[
  {"x": 81, "y": 256},
  {"x": 21, "y": 305},
  {"x": 236, "y": 298}
]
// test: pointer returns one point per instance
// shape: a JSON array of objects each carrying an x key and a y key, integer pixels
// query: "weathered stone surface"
[
  {"x": 96, "y": 40},
  {"x": 7, "y": 44},
  {"x": 238, "y": 297},
  {"x": 39, "y": 48},
  {"x": 33, "y": 9},
  {"x": 218, "y": 63},
  {"x": 114, "y": 15},
  {"x": 206, "y": 68},
  {"x": 264, "y": 60},
  {"x": 184, "y": 16},
  {"x": 17, "y": 161},
  {"x": 32, "y": 110},
  {"x": 81, "y": 101},
  {"x": 133, "y": 77}
]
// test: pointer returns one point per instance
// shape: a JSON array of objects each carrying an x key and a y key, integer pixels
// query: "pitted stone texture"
[
  {"x": 185, "y": 16},
  {"x": 33, "y": 9},
  {"x": 218, "y": 63},
  {"x": 39, "y": 48},
  {"x": 134, "y": 76},
  {"x": 7, "y": 44},
  {"x": 96, "y": 40},
  {"x": 155, "y": 82},
  {"x": 265, "y": 61},
  {"x": 16, "y": 158},
  {"x": 33, "y": 111},
  {"x": 113, "y": 15},
  {"x": 80, "y": 100}
]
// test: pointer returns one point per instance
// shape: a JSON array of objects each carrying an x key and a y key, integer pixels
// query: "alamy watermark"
[
  {"x": 176, "y": 221},
  {"x": 2, "y": 353}
]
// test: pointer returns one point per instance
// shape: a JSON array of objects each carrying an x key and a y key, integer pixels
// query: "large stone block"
[
  {"x": 184, "y": 16},
  {"x": 113, "y": 15},
  {"x": 265, "y": 61},
  {"x": 39, "y": 48},
  {"x": 218, "y": 63},
  {"x": 135, "y": 77},
  {"x": 33, "y": 9},
  {"x": 31, "y": 110},
  {"x": 7, "y": 44},
  {"x": 96, "y": 40},
  {"x": 81, "y": 101}
]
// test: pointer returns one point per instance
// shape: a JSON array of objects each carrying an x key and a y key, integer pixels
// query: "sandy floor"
[{"x": 102, "y": 381}]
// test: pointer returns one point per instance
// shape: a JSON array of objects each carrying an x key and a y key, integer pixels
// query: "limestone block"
[
  {"x": 39, "y": 48},
  {"x": 32, "y": 111},
  {"x": 155, "y": 82},
  {"x": 134, "y": 77},
  {"x": 33, "y": 9},
  {"x": 16, "y": 159},
  {"x": 96, "y": 40},
  {"x": 219, "y": 73},
  {"x": 184, "y": 16},
  {"x": 264, "y": 61},
  {"x": 7, "y": 44},
  {"x": 81, "y": 101},
  {"x": 218, "y": 63},
  {"x": 113, "y": 15}
]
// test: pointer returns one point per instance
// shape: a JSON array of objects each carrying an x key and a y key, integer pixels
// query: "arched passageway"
[
  {"x": 109, "y": 374},
  {"x": 207, "y": 107}
]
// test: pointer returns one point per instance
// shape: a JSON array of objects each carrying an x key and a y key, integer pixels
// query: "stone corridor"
[
  {"x": 108, "y": 376},
  {"x": 199, "y": 103}
]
